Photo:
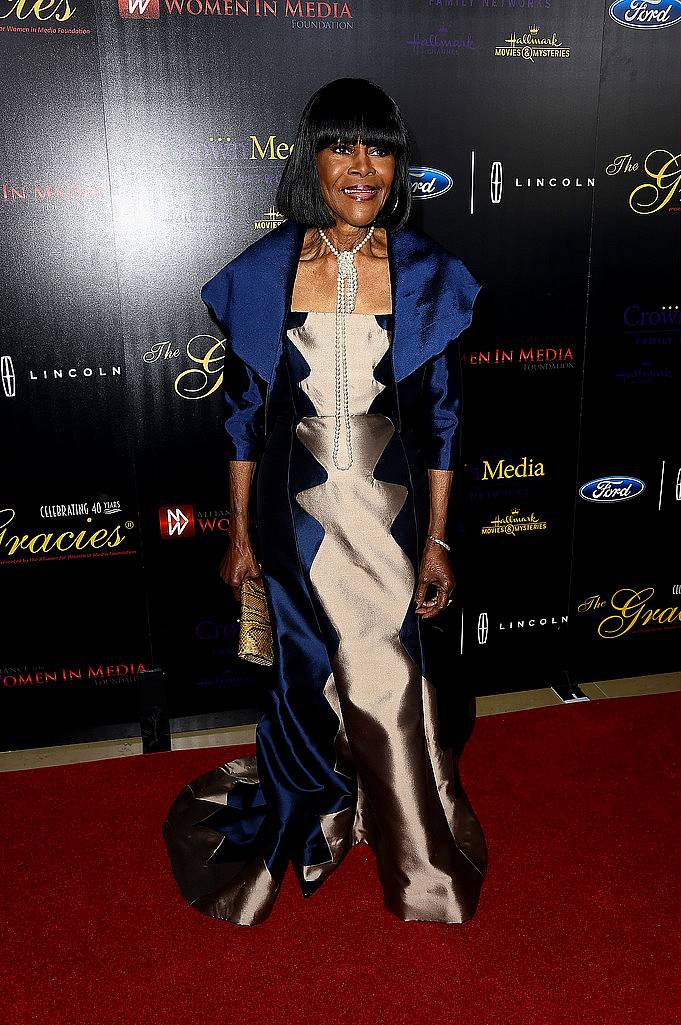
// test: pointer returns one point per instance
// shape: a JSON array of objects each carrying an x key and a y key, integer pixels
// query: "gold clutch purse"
[{"x": 255, "y": 631}]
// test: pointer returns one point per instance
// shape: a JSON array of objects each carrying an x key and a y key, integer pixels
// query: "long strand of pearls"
[{"x": 345, "y": 303}]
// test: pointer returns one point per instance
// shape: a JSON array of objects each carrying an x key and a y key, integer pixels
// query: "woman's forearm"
[
  {"x": 440, "y": 487},
  {"x": 240, "y": 476}
]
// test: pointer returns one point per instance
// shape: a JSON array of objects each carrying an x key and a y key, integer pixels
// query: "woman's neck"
[
  {"x": 346, "y": 236},
  {"x": 315, "y": 247}
]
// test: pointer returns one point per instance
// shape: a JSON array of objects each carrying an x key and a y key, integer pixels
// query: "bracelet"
[{"x": 439, "y": 541}]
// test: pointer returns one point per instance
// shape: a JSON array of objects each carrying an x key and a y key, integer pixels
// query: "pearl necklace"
[{"x": 345, "y": 303}]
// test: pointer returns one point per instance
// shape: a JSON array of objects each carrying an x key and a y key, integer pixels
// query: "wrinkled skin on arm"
[
  {"x": 435, "y": 571},
  {"x": 239, "y": 562}
]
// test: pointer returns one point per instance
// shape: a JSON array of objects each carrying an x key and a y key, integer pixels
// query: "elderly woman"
[{"x": 342, "y": 389}]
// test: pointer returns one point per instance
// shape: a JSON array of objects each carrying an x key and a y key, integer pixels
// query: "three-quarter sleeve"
[
  {"x": 441, "y": 394},
  {"x": 441, "y": 409},
  {"x": 243, "y": 393},
  {"x": 243, "y": 390}
]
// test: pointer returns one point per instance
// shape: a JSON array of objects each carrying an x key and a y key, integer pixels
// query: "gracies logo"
[
  {"x": 662, "y": 168},
  {"x": 207, "y": 353},
  {"x": 37, "y": 10},
  {"x": 632, "y": 612}
]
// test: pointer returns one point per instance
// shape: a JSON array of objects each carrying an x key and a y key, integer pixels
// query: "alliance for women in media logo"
[{"x": 334, "y": 11}]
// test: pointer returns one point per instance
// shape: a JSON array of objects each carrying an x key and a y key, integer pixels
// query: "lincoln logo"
[
  {"x": 483, "y": 628},
  {"x": 496, "y": 182},
  {"x": 9, "y": 381}
]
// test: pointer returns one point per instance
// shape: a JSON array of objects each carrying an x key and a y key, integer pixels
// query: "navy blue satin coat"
[{"x": 433, "y": 295}]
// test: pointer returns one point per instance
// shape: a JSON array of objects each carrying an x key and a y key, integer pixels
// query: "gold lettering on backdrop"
[
  {"x": 42, "y": 10},
  {"x": 514, "y": 523},
  {"x": 622, "y": 163},
  {"x": 531, "y": 45},
  {"x": 649, "y": 197},
  {"x": 43, "y": 544},
  {"x": 269, "y": 151},
  {"x": 194, "y": 383},
  {"x": 525, "y": 468},
  {"x": 631, "y": 606},
  {"x": 161, "y": 350}
]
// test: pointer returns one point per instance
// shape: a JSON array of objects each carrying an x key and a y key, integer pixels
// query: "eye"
[
  {"x": 346, "y": 147},
  {"x": 378, "y": 149}
]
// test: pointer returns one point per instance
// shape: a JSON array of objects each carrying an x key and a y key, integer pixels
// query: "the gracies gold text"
[
  {"x": 650, "y": 197},
  {"x": 42, "y": 10},
  {"x": 42, "y": 544},
  {"x": 630, "y": 610},
  {"x": 204, "y": 379}
]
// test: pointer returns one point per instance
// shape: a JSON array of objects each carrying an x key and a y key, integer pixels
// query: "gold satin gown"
[{"x": 393, "y": 785}]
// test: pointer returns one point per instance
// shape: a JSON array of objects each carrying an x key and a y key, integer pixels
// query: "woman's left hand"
[{"x": 436, "y": 570}]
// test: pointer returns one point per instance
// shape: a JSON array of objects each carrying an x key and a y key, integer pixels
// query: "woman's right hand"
[{"x": 238, "y": 564}]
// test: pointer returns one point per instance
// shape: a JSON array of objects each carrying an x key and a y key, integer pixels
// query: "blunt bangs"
[{"x": 347, "y": 110}]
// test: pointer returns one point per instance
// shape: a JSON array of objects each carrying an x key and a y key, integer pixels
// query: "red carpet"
[{"x": 577, "y": 923}]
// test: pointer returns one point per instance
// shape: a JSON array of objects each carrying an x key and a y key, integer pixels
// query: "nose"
[{"x": 362, "y": 163}]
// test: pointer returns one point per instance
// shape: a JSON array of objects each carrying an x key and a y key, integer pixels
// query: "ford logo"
[
  {"x": 427, "y": 183},
  {"x": 612, "y": 489},
  {"x": 646, "y": 13}
]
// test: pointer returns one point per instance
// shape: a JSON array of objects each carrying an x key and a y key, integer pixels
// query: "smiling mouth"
[{"x": 360, "y": 192}]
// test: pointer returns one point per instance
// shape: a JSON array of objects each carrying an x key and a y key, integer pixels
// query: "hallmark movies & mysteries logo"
[{"x": 532, "y": 45}]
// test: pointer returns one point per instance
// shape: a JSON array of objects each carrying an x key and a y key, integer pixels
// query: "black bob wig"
[{"x": 345, "y": 110}]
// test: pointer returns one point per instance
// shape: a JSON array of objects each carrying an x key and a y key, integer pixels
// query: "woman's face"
[{"x": 355, "y": 180}]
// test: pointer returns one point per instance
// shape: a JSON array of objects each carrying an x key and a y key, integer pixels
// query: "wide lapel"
[
  {"x": 433, "y": 298},
  {"x": 250, "y": 297}
]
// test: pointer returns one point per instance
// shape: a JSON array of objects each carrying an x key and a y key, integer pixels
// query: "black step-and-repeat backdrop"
[{"x": 142, "y": 142}]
